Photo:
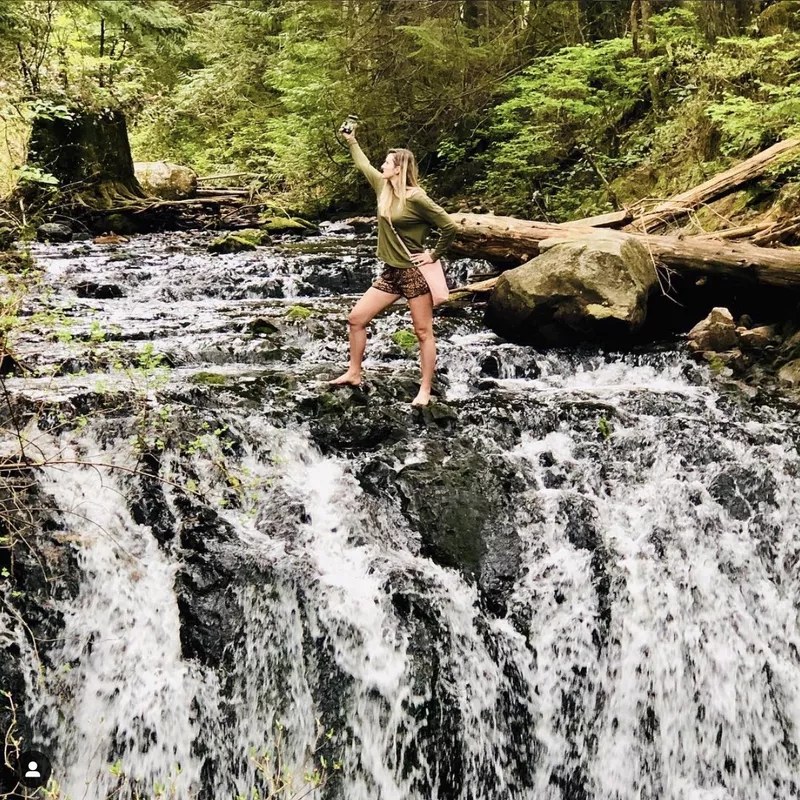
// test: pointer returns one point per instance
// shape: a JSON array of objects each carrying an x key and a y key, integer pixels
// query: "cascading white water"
[
  {"x": 120, "y": 691},
  {"x": 650, "y": 643}
]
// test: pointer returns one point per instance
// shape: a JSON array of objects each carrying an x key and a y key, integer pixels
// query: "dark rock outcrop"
[{"x": 54, "y": 232}]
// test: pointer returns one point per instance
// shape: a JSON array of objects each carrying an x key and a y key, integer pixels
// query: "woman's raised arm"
[{"x": 373, "y": 175}]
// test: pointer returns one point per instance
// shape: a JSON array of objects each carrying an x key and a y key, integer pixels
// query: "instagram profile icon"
[{"x": 33, "y": 769}]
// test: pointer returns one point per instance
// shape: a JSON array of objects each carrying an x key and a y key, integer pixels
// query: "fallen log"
[
  {"x": 151, "y": 205},
  {"x": 513, "y": 241},
  {"x": 682, "y": 204},
  {"x": 224, "y": 175},
  {"x": 614, "y": 219}
]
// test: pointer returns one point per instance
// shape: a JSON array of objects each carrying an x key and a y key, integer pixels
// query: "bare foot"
[
  {"x": 353, "y": 378},
  {"x": 423, "y": 398}
]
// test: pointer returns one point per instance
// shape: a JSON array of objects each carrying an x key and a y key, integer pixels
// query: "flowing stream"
[{"x": 573, "y": 577}]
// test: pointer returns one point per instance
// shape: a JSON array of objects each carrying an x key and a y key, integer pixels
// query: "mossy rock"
[
  {"x": 254, "y": 235},
  {"x": 299, "y": 312},
  {"x": 231, "y": 243},
  {"x": 279, "y": 225},
  {"x": 406, "y": 340},
  {"x": 779, "y": 17},
  {"x": 207, "y": 379},
  {"x": 262, "y": 327}
]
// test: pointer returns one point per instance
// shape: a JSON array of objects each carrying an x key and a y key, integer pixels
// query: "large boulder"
[
  {"x": 581, "y": 289},
  {"x": 165, "y": 180}
]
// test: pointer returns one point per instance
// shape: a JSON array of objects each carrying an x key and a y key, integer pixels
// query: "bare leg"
[
  {"x": 372, "y": 302},
  {"x": 422, "y": 317}
]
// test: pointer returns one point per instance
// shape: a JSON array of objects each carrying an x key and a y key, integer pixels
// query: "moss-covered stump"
[{"x": 89, "y": 152}]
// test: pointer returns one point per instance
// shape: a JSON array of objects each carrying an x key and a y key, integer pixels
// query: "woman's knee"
[
  {"x": 423, "y": 332},
  {"x": 357, "y": 320}
]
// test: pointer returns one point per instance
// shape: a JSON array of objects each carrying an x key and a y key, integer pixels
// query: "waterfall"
[{"x": 625, "y": 627}]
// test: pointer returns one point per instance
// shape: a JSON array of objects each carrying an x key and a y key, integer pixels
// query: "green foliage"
[
  {"x": 760, "y": 91},
  {"x": 565, "y": 111},
  {"x": 541, "y": 109},
  {"x": 604, "y": 428}
]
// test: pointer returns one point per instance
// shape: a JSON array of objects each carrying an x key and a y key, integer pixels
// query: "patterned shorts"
[{"x": 407, "y": 282}]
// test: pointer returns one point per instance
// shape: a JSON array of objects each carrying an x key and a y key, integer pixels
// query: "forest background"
[{"x": 545, "y": 109}]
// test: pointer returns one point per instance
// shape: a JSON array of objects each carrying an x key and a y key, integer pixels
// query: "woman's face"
[{"x": 389, "y": 169}]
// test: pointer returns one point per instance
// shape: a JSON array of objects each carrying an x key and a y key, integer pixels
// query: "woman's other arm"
[{"x": 436, "y": 216}]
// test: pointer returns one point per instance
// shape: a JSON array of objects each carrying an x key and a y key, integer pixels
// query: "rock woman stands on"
[{"x": 402, "y": 204}]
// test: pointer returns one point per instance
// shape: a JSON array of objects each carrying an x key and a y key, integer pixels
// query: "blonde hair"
[{"x": 409, "y": 179}]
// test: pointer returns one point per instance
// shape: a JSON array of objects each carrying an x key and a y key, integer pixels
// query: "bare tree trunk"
[{"x": 635, "y": 7}]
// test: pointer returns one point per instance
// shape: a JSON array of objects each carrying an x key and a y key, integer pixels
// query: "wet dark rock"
[
  {"x": 437, "y": 711},
  {"x": 491, "y": 366},
  {"x": 262, "y": 327},
  {"x": 362, "y": 224},
  {"x": 580, "y": 521},
  {"x": 7, "y": 236},
  {"x": 211, "y": 617},
  {"x": 54, "y": 232},
  {"x": 348, "y": 418},
  {"x": 9, "y": 365},
  {"x": 741, "y": 491},
  {"x": 121, "y": 224},
  {"x": 99, "y": 291},
  {"x": 464, "y": 507},
  {"x": 40, "y": 574}
]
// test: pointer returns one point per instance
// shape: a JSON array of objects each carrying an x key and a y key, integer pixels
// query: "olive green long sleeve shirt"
[{"x": 413, "y": 225}]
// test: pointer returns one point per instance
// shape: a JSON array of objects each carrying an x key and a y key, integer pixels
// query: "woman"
[{"x": 404, "y": 206}]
